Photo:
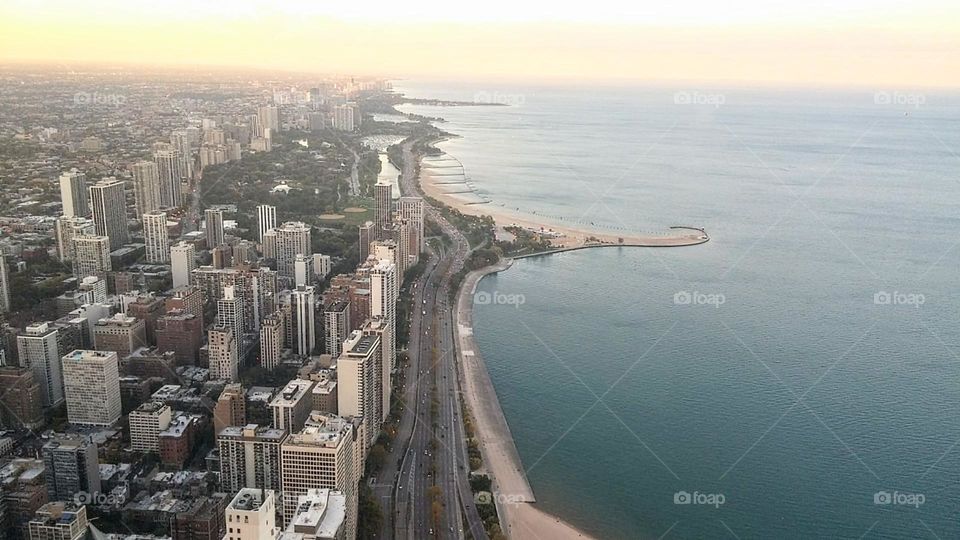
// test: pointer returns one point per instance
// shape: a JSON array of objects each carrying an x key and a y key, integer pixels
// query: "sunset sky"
[{"x": 895, "y": 43}]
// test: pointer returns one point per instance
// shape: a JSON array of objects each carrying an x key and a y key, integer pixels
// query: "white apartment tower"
[
  {"x": 302, "y": 270},
  {"x": 183, "y": 260},
  {"x": 155, "y": 237},
  {"x": 250, "y": 457},
  {"x": 224, "y": 358},
  {"x": 91, "y": 381},
  {"x": 284, "y": 243},
  {"x": 146, "y": 187},
  {"x": 384, "y": 291},
  {"x": 383, "y": 209},
  {"x": 266, "y": 219},
  {"x": 321, "y": 457},
  {"x": 252, "y": 515},
  {"x": 302, "y": 306},
  {"x": 38, "y": 351},
  {"x": 360, "y": 381},
  {"x": 66, "y": 229},
  {"x": 74, "y": 195},
  {"x": 411, "y": 209},
  {"x": 109, "y": 206},
  {"x": 4, "y": 285},
  {"x": 230, "y": 312},
  {"x": 146, "y": 423},
  {"x": 91, "y": 256},
  {"x": 169, "y": 167}
]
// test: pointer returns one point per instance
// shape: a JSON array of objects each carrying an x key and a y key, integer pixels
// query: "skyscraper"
[
  {"x": 269, "y": 119},
  {"x": 284, "y": 243},
  {"x": 411, "y": 209},
  {"x": 91, "y": 382},
  {"x": 4, "y": 285},
  {"x": 70, "y": 467},
  {"x": 146, "y": 187},
  {"x": 66, "y": 229},
  {"x": 213, "y": 220},
  {"x": 73, "y": 194},
  {"x": 169, "y": 166},
  {"x": 231, "y": 408},
  {"x": 360, "y": 381},
  {"x": 320, "y": 456},
  {"x": 383, "y": 210},
  {"x": 180, "y": 140},
  {"x": 224, "y": 360},
  {"x": 271, "y": 340},
  {"x": 302, "y": 304},
  {"x": 336, "y": 325},
  {"x": 367, "y": 235},
  {"x": 109, "y": 207},
  {"x": 303, "y": 270},
  {"x": 38, "y": 350},
  {"x": 384, "y": 291},
  {"x": 266, "y": 219},
  {"x": 156, "y": 238},
  {"x": 230, "y": 312},
  {"x": 91, "y": 256},
  {"x": 183, "y": 261}
]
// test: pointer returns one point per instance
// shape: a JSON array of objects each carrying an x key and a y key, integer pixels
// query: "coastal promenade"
[{"x": 519, "y": 516}]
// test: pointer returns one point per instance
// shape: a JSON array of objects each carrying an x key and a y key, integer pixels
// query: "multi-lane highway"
[{"x": 431, "y": 496}]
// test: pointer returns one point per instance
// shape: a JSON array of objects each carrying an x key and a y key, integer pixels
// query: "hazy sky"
[{"x": 890, "y": 43}]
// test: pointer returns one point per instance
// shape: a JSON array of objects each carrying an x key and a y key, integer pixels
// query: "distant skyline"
[{"x": 890, "y": 43}]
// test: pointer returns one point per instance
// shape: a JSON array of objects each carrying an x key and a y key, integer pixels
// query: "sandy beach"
[
  {"x": 519, "y": 516},
  {"x": 447, "y": 188}
]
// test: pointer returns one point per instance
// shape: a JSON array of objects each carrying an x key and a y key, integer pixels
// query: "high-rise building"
[
  {"x": 321, "y": 265},
  {"x": 59, "y": 520},
  {"x": 213, "y": 225},
  {"x": 411, "y": 209},
  {"x": 252, "y": 515},
  {"x": 301, "y": 304},
  {"x": 384, "y": 292},
  {"x": 230, "y": 409},
  {"x": 321, "y": 456},
  {"x": 344, "y": 117},
  {"x": 230, "y": 312},
  {"x": 180, "y": 140},
  {"x": 109, "y": 206},
  {"x": 146, "y": 187},
  {"x": 284, "y": 243},
  {"x": 39, "y": 351},
  {"x": 256, "y": 286},
  {"x": 292, "y": 405},
  {"x": 224, "y": 356},
  {"x": 181, "y": 333},
  {"x": 303, "y": 270},
  {"x": 271, "y": 340},
  {"x": 367, "y": 235},
  {"x": 250, "y": 457},
  {"x": 146, "y": 423},
  {"x": 321, "y": 515},
  {"x": 383, "y": 209},
  {"x": 4, "y": 285},
  {"x": 169, "y": 167},
  {"x": 183, "y": 260},
  {"x": 360, "y": 382},
  {"x": 67, "y": 228},
  {"x": 70, "y": 467},
  {"x": 91, "y": 381},
  {"x": 91, "y": 256},
  {"x": 156, "y": 237},
  {"x": 22, "y": 399},
  {"x": 74, "y": 195},
  {"x": 121, "y": 334},
  {"x": 266, "y": 219},
  {"x": 269, "y": 119},
  {"x": 336, "y": 326}
]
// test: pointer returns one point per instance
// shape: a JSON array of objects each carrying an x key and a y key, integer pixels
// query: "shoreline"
[
  {"x": 515, "y": 500},
  {"x": 564, "y": 237}
]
